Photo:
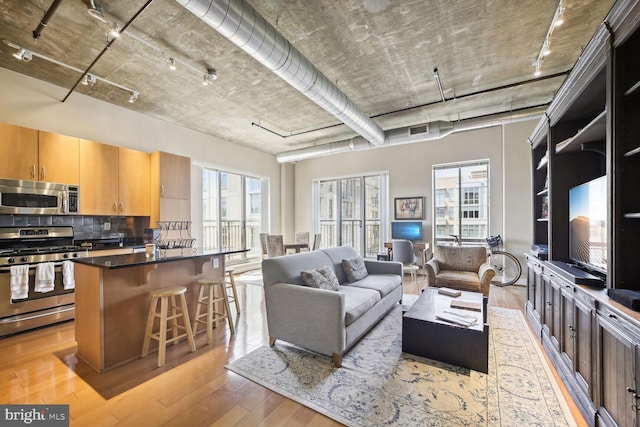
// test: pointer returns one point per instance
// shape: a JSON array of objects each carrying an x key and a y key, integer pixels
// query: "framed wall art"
[{"x": 409, "y": 208}]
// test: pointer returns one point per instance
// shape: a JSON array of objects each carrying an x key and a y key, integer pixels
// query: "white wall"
[
  {"x": 410, "y": 174},
  {"x": 32, "y": 103}
]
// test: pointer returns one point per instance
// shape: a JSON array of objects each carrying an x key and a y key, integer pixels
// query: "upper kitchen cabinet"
[
  {"x": 58, "y": 157},
  {"x": 170, "y": 187},
  {"x": 22, "y": 144},
  {"x": 113, "y": 180},
  {"x": 174, "y": 175},
  {"x": 38, "y": 155},
  {"x": 98, "y": 179},
  {"x": 134, "y": 169}
]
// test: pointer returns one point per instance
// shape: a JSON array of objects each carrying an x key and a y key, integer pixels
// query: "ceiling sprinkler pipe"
[{"x": 45, "y": 20}]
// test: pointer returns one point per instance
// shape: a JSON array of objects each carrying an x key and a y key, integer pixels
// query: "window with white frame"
[{"x": 462, "y": 192}]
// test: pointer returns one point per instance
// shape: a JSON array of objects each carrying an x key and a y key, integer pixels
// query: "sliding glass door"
[{"x": 349, "y": 212}]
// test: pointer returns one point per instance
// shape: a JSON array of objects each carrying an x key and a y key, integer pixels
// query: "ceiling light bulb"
[
  {"x": 546, "y": 48},
  {"x": 537, "y": 72},
  {"x": 559, "y": 21},
  {"x": 172, "y": 63},
  {"x": 134, "y": 97},
  {"x": 85, "y": 80}
]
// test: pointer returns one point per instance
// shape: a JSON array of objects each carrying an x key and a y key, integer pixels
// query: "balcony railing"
[
  {"x": 351, "y": 235},
  {"x": 232, "y": 235}
]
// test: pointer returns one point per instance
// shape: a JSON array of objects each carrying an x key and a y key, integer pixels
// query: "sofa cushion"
[
  {"x": 463, "y": 280},
  {"x": 322, "y": 278},
  {"x": 354, "y": 268},
  {"x": 383, "y": 283},
  {"x": 358, "y": 301}
]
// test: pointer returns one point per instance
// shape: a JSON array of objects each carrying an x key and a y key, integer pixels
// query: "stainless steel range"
[{"x": 31, "y": 246}]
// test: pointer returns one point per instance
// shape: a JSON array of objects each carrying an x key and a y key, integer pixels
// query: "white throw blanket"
[
  {"x": 68, "y": 278},
  {"x": 45, "y": 274},
  {"x": 19, "y": 281}
]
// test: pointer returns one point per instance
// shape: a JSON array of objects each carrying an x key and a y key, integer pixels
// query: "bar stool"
[
  {"x": 231, "y": 284},
  {"x": 167, "y": 297},
  {"x": 207, "y": 298}
]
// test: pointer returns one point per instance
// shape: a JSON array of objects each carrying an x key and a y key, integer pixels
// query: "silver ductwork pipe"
[
  {"x": 409, "y": 135},
  {"x": 239, "y": 22}
]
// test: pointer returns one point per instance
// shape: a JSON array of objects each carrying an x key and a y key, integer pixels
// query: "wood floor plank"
[{"x": 191, "y": 389}]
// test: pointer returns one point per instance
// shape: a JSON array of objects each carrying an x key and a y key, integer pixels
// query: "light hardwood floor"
[{"x": 192, "y": 389}]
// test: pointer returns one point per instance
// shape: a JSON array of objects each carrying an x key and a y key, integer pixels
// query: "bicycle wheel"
[{"x": 508, "y": 268}]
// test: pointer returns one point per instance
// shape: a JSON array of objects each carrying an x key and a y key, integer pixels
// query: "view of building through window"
[
  {"x": 461, "y": 201},
  {"x": 349, "y": 212},
  {"x": 232, "y": 212}
]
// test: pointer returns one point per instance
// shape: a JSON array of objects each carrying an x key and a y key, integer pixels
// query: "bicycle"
[{"x": 507, "y": 266}]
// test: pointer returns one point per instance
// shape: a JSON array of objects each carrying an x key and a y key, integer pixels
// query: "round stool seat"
[
  {"x": 168, "y": 292},
  {"x": 209, "y": 282}
]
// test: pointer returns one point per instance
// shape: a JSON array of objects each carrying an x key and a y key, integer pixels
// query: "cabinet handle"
[
  {"x": 613, "y": 316},
  {"x": 549, "y": 303},
  {"x": 635, "y": 396},
  {"x": 162, "y": 189},
  {"x": 121, "y": 207},
  {"x": 43, "y": 173},
  {"x": 33, "y": 171},
  {"x": 115, "y": 207}
]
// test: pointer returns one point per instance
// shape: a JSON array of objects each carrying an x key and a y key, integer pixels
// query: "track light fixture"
[
  {"x": 172, "y": 63},
  {"x": 23, "y": 55},
  {"x": 88, "y": 79},
  {"x": 209, "y": 78},
  {"x": 545, "y": 50},
  {"x": 133, "y": 97}
]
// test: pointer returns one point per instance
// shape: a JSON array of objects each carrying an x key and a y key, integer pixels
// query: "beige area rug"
[{"x": 379, "y": 385}]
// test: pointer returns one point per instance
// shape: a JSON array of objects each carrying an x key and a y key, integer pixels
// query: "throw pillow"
[
  {"x": 355, "y": 269},
  {"x": 321, "y": 278}
]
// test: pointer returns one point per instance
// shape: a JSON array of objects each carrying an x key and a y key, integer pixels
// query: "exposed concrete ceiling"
[{"x": 380, "y": 53}]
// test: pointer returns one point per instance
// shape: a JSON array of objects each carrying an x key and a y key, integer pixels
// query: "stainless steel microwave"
[{"x": 38, "y": 198}]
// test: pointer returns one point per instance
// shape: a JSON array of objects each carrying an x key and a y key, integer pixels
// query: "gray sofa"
[{"x": 326, "y": 321}]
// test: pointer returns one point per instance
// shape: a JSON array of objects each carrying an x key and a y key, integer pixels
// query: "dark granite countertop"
[{"x": 140, "y": 259}]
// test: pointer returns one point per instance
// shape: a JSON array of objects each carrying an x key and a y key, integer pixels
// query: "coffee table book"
[{"x": 449, "y": 292}]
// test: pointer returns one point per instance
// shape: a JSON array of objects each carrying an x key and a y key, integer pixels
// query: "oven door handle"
[{"x": 57, "y": 266}]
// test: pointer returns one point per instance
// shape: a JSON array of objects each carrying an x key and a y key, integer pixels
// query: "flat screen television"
[
  {"x": 407, "y": 230},
  {"x": 588, "y": 225}
]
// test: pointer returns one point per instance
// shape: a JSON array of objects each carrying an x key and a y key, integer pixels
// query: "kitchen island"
[{"x": 112, "y": 298}]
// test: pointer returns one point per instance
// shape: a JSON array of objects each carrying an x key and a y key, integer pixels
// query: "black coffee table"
[{"x": 425, "y": 335}]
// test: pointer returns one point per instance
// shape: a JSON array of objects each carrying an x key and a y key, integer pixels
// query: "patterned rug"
[{"x": 379, "y": 385}]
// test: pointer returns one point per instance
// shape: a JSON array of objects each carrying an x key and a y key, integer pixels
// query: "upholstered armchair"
[{"x": 463, "y": 268}]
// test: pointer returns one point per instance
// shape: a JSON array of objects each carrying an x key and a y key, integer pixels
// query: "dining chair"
[
  {"x": 275, "y": 245},
  {"x": 263, "y": 243},
  {"x": 303, "y": 237},
  {"x": 317, "y": 238},
  {"x": 402, "y": 251}
]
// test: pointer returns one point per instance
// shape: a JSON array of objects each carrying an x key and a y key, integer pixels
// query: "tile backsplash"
[{"x": 84, "y": 227}]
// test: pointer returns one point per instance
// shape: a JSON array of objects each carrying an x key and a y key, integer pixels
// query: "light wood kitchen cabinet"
[
  {"x": 22, "y": 144},
  {"x": 134, "y": 168},
  {"x": 38, "y": 155},
  {"x": 98, "y": 178},
  {"x": 170, "y": 187},
  {"x": 58, "y": 158},
  {"x": 113, "y": 180}
]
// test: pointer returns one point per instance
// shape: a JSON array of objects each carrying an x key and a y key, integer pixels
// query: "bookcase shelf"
[
  {"x": 633, "y": 89},
  {"x": 595, "y": 131}
]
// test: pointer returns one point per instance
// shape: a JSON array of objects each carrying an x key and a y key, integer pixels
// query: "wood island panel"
[{"x": 112, "y": 305}]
